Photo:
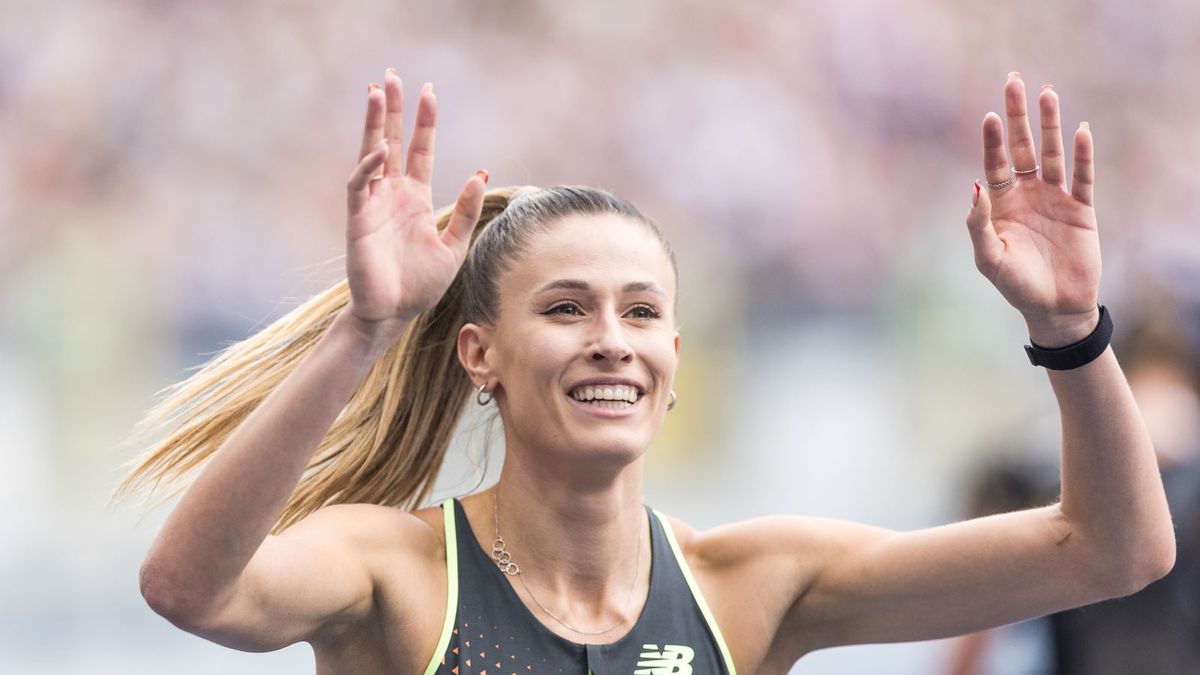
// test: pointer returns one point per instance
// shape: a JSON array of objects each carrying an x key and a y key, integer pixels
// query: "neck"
[{"x": 575, "y": 536}]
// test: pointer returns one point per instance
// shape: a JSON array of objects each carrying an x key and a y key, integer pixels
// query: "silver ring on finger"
[
  {"x": 1035, "y": 169},
  {"x": 1002, "y": 184}
]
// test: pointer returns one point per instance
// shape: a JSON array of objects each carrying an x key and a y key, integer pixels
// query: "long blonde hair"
[{"x": 389, "y": 442}]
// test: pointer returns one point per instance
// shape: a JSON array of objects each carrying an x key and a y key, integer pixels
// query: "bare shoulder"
[
  {"x": 389, "y": 539},
  {"x": 753, "y": 571},
  {"x": 372, "y": 529},
  {"x": 383, "y": 539},
  {"x": 765, "y": 540},
  {"x": 396, "y": 547}
]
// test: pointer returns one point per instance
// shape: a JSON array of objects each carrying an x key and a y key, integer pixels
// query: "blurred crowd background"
[{"x": 172, "y": 179}]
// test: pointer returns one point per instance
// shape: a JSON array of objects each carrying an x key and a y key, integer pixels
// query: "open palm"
[
  {"x": 397, "y": 263},
  {"x": 1034, "y": 239}
]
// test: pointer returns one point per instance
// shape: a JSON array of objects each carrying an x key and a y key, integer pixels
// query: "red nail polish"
[
  {"x": 975, "y": 199},
  {"x": 482, "y": 173}
]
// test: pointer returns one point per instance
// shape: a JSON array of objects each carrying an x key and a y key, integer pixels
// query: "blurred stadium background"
[{"x": 172, "y": 179}]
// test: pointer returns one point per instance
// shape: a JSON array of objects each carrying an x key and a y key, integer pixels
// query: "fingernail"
[
  {"x": 392, "y": 71},
  {"x": 975, "y": 197},
  {"x": 1047, "y": 86},
  {"x": 372, "y": 86},
  {"x": 482, "y": 173},
  {"x": 1014, "y": 74},
  {"x": 428, "y": 86},
  {"x": 1084, "y": 125}
]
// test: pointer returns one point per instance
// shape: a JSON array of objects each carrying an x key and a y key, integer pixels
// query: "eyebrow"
[{"x": 578, "y": 285}]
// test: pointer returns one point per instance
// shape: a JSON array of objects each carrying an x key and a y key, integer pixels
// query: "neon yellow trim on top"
[
  {"x": 687, "y": 574},
  {"x": 451, "y": 584}
]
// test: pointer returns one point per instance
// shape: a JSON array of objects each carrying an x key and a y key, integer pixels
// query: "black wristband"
[{"x": 1072, "y": 356}]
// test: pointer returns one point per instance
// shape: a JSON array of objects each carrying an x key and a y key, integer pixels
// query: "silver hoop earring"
[
  {"x": 671, "y": 404},
  {"x": 479, "y": 395}
]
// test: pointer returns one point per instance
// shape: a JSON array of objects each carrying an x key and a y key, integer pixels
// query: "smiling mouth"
[{"x": 607, "y": 397}]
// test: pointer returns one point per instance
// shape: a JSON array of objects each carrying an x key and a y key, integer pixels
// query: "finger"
[
  {"x": 393, "y": 125},
  {"x": 373, "y": 129},
  {"x": 358, "y": 187},
  {"x": 995, "y": 159},
  {"x": 1054, "y": 168},
  {"x": 987, "y": 245},
  {"x": 1020, "y": 136},
  {"x": 465, "y": 216},
  {"x": 1081, "y": 181},
  {"x": 420, "y": 150}
]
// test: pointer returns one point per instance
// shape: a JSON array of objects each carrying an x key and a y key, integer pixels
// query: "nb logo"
[{"x": 672, "y": 660}]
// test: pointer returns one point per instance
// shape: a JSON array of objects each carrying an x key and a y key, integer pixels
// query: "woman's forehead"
[{"x": 601, "y": 251}]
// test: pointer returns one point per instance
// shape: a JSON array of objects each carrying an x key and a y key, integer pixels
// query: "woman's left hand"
[{"x": 1034, "y": 239}]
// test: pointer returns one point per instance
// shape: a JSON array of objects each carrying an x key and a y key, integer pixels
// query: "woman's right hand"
[{"x": 397, "y": 263}]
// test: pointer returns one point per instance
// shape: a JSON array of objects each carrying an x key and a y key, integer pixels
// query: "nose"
[{"x": 610, "y": 343}]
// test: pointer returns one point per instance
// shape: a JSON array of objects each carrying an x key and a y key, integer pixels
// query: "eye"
[
  {"x": 575, "y": 309},
  {"x": 647, "y": 312}
]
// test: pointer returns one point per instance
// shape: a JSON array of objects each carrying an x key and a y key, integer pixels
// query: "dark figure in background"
[{"x": 1157, "y": 630}]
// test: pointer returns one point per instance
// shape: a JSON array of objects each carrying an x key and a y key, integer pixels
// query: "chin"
[{"x": 621, "y": 449}]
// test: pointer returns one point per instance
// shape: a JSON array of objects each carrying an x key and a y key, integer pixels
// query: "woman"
[{"x": 563, "y": 318}]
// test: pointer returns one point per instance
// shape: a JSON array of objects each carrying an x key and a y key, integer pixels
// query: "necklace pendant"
[{"x": 503, "y": 558}]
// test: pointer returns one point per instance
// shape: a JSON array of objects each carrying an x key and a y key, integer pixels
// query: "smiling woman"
[
  {"x": 585, "y": 301},
  {"x": 321, "y": 437}
]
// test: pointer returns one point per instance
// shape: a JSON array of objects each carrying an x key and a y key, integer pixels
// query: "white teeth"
[
  {"x": 612, "y": 405},
  {"x": 610, "y": 392}
]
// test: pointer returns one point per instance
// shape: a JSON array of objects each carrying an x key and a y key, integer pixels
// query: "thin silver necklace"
[{"x": 504, "y": 561}]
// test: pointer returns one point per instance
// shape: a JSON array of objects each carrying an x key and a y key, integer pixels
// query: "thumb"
[{"x": 988, "y": 247}]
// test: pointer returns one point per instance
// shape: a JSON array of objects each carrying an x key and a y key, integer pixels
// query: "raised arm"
[
  {"x": 1110, "y": 534},
  {"x": 214, "y": 569},
  {"x": 1038, "y": 244}
]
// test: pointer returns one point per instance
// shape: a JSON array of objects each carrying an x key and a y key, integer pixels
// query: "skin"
[{"x": 570, "y": 491}]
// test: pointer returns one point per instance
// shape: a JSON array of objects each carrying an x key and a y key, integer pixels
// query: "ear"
[
  {"x": 474, "y": 341},
  {"x": 677, "y": 348}
]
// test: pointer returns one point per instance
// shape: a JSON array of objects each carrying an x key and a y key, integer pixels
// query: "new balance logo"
[{"x": 672, "y": 660}]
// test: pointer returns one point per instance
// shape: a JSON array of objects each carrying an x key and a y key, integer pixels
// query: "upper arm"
[
  {"x": 829, "y": 582},
  {"x": 314, "y": 576},
  {"x": 870, "y": 585}
]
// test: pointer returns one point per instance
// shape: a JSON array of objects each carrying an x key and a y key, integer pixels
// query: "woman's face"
[{"x": 583, "y": 353}]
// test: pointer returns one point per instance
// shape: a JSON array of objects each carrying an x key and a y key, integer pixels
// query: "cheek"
[
  {"x": 542, "y": 350},
  {"x": 658, "y": 350},
  {"x": 538, "y": 359}
]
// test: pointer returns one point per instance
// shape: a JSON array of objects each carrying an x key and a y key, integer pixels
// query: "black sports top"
[{"x": 488, "y": 629}]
